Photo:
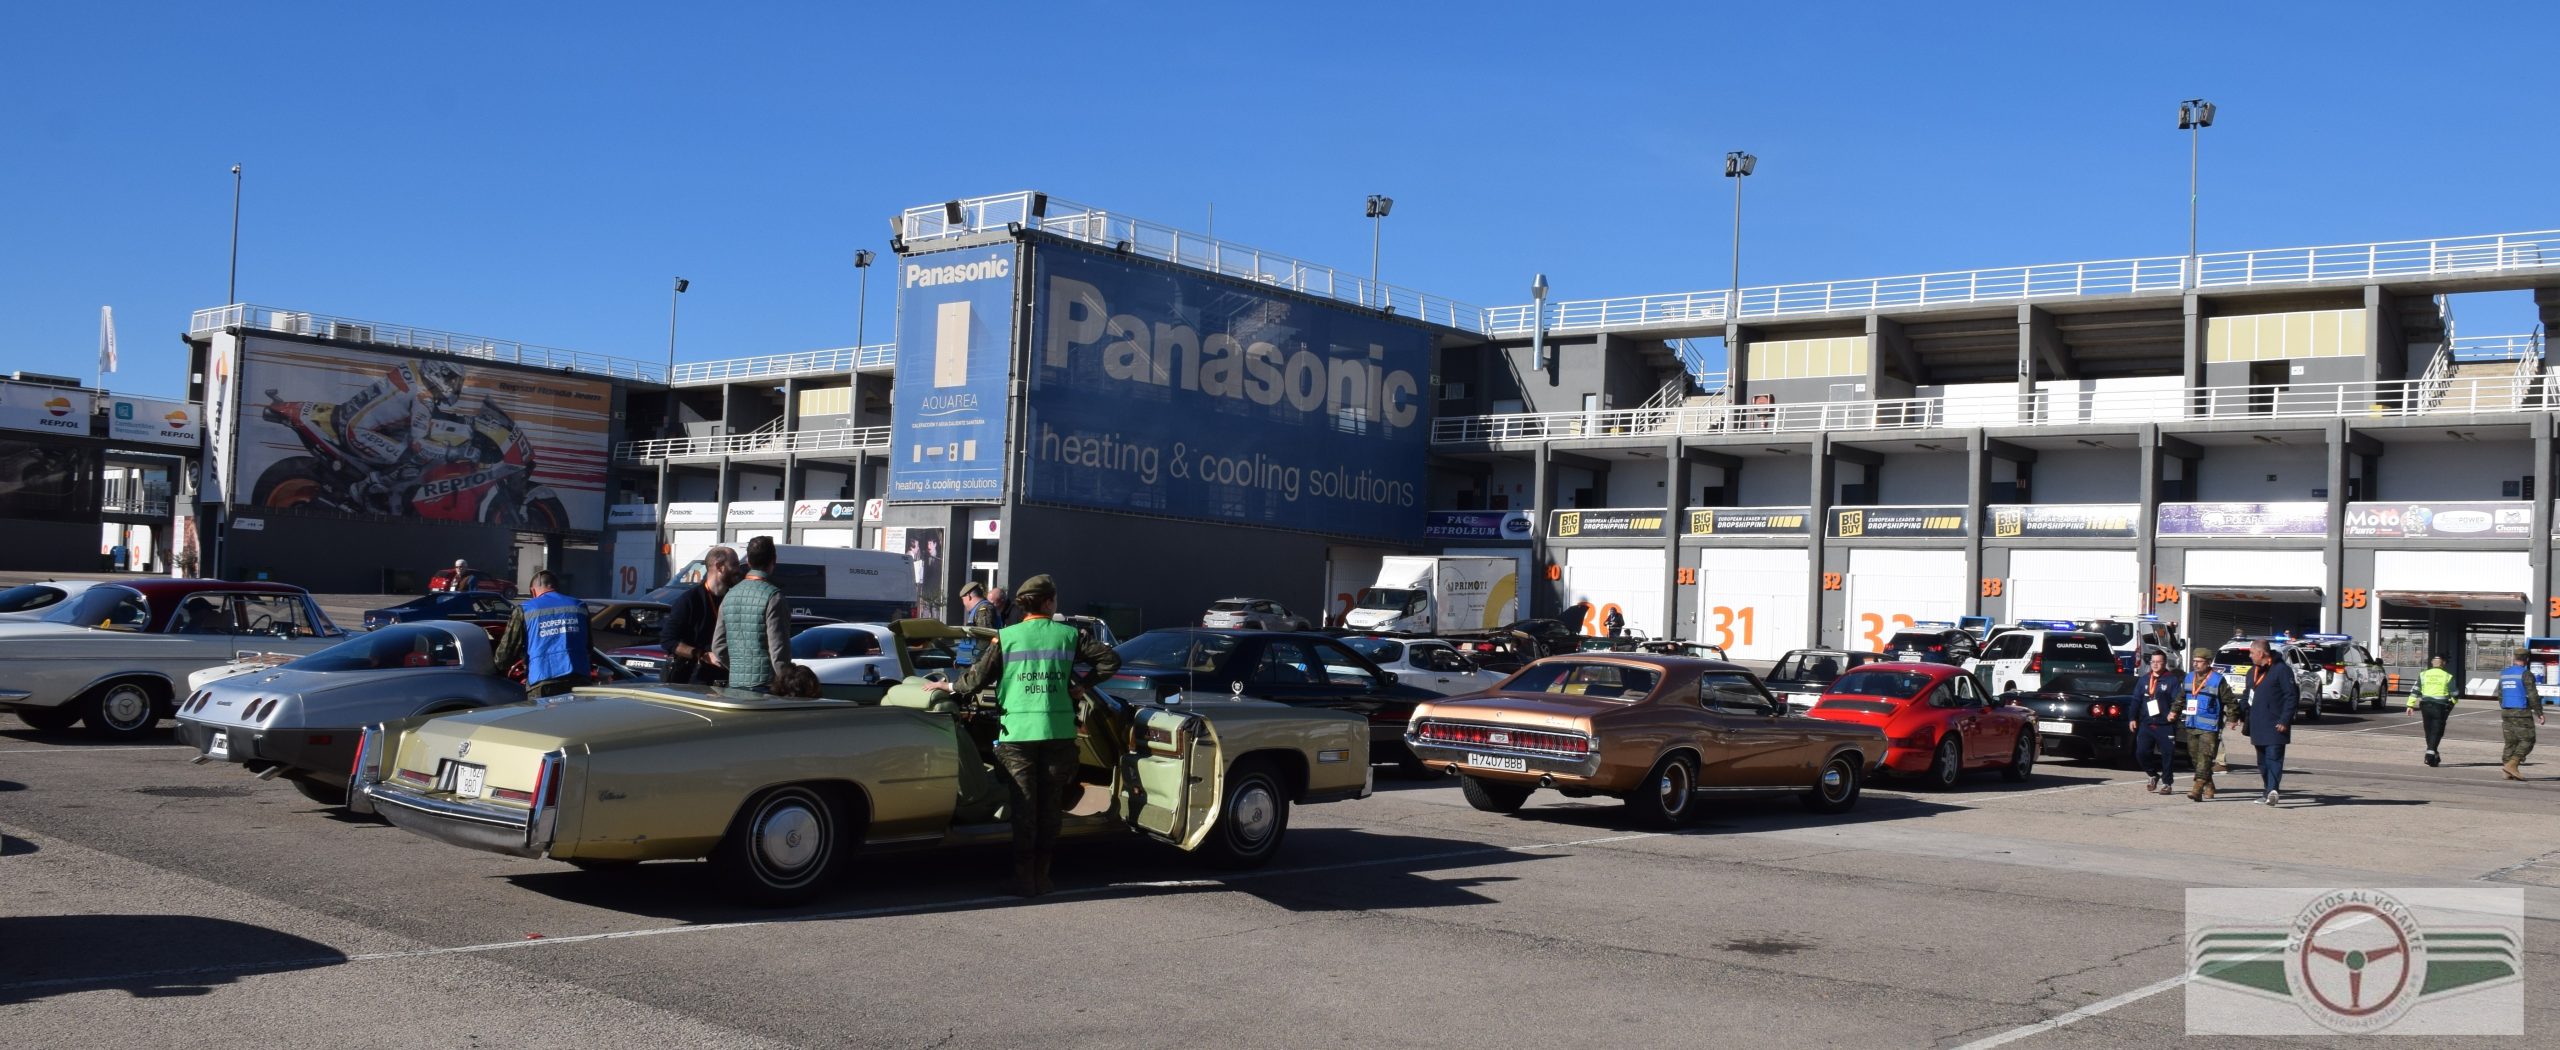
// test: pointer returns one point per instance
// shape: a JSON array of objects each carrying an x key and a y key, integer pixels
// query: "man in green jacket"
[
  {"x": 2434, "y": 703},
  {"x": 752, "y": 637},
  {"x": 1032, "y": 665}
]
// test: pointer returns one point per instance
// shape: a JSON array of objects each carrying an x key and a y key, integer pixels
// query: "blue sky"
[{"x": 541, "y": 175}]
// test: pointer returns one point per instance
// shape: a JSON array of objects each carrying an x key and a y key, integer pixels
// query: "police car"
[
  {"x": 2233, "y": 661},
  {"x": 2349, "y": 674},
  {"x": 2019, "y": 659}
]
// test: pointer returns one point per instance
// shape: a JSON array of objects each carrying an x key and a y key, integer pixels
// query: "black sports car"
[
  {"x": 2088, "y": 715},
  {"x": 1286, "y": 667}
]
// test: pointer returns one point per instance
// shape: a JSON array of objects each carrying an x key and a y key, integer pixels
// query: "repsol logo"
[
  {"x": 1219, "y": 365},
  {"x": 920, "y": 275}
]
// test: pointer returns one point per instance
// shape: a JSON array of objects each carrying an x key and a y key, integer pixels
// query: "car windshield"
[
  {"x": 29, "y": 596},
  {"x": 1178, "y": 651},
  {"x": 420, "y": 645},
  {"x": 1230, "y": 605},
  {"x": 1603, "y": 681},
  {"x": 828, "y": 643},
  {"x": 2328, "y": 653},
  {"x": 2100, "y": 684},
  {"x": 1897, "y": 685},
  {"x": 1914, "y": 640},
  {"x": 109, "y": 608},
  {"x": 2232, "y": 654},
  {"x": 1809, "y": 668},
  {"x": 1378, "y": 650},
  {"x": 1389, "y": 598},
  {"x": 2118, "y": 633}
]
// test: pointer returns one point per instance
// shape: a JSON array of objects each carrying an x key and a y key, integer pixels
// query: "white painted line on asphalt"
[
  {"x": 85, "y": 750},
  {"x": 2082, "y": 1014},
  {"x": 2368, "y": 729},
  {"x": 860, "y": 913}
]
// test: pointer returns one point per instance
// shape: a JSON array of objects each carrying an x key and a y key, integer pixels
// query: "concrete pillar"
[
  {"x": 1818, "y": 513},
  {"x": 666, "y": 495},
  {"x": 2537, "y": 596},
  {"x": 1542, "y": 500},
  {"x": 2386, "y": 345},
  {"x": 1977, "y": 449},
  {"x": 727, "y": 491},
  {"x": 1737, "y": 365},
  {"x": 790, "y": 405},
  {"x": 791, "y": 486},
  {"x": 2191, "y": 333},
  {"x": 2146, "y": 543},
  {"x": 1675, "y": 499},
  {"x": 2336, "y": 545}
]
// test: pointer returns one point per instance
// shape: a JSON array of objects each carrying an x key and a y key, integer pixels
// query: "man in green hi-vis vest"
[{"x": 1033, "y": 668}]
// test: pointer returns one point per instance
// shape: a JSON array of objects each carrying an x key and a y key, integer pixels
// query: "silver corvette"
[{"x": 299, "y": 720}]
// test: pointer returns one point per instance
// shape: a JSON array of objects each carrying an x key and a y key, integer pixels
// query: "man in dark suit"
[{"x": 2272, "y": 694}]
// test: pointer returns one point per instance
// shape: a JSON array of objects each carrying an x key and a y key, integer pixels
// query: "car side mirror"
[{"x": 1388, "y": 677}]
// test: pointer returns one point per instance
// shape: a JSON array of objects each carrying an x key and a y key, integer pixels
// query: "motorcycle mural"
[{"x": 417, "y": 439}]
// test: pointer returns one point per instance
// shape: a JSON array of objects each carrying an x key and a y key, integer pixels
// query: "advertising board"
[
  {"x": 1512, "y": 525},
  {"x": 2469, "y": 520},
  {"x": 815, "y": 511},
  {"x": 2244, "y": 519},
  {"x": 2069, "y": 520},
  {"x": 350, "y": 432},
  {"x": 157, "y": 422},
  {"x": 1748, "y": 521},
  {"x": 45, "y": 409},
  {"x": 946, "y": 425},
  {"x": 1165, "y": 392},
  {"x": 1593, "y": 524},
  {"x": 1897, "y": 522}
]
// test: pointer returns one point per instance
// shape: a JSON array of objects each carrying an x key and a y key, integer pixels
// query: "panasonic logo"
[
  {"x": 1220, "y": 365},
  {"x": 922, "y": 276}
]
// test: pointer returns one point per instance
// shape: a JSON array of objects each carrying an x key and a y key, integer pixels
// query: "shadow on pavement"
[
  {"x": 11, "y": 846},
  {"x": 11, "y": 785},
  {"x": 1731, "y": 814},
  {"x": 77, "y": 737},
  {"x": 1390, "y": 872},
  {"x": 146, "y": 956},
  {"x": 2315, "y": 799}
]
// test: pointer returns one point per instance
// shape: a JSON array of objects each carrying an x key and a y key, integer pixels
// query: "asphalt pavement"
[{"x": 157, "y": 903}]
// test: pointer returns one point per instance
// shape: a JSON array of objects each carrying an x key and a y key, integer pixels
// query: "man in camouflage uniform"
[{"x": 2519, "y": 711}]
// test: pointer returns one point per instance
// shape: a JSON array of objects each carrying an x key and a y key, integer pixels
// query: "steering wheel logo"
[{"x": 2357, "y": 964}]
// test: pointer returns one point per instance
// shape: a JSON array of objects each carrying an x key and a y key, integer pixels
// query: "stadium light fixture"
[
  {"x": 862, "y": 310},
  {"x": 952, "y": 213},
  {"x": 1738, "y": 165},
  {"x": 2194, "y": 115},
  {"x": 1378, "y": 206}
]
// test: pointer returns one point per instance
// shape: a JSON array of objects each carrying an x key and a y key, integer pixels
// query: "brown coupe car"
[{"x": 1655, "y": 731}]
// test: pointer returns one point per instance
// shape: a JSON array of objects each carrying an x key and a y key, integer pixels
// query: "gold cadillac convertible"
[{"x": 779, "y": 792}]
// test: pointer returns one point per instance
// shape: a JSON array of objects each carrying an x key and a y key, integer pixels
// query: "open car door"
[{"x": 1172, "y": 777}]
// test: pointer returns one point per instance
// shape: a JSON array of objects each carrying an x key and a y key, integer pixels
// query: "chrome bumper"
[
  {"x": 11, "y": 696},
  {"x": 474, "y": 825},
  {"x": 1540, "y": 764}
]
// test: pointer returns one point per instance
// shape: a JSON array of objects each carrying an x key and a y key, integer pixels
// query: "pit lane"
[{"x": 150, "y": 897}]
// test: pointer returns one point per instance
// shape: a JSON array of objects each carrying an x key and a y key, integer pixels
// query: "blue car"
[{"x": 480, "y": 607}]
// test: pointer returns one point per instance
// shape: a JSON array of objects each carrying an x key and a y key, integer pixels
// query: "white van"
[{"x": 842, "y": 582}]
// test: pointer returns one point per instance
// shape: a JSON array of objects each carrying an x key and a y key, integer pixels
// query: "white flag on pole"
[{"x": 106, "y": 339}]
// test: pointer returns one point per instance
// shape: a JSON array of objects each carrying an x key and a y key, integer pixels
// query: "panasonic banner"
[
  {"x": 1156, "y": 391},
  {"x": 955, "y": 355}
]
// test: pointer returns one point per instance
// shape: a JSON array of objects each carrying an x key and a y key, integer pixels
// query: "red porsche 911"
[{"x": 1937, "y": 721}]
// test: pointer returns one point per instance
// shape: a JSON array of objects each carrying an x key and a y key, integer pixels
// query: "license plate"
[
  {"x": 2057, "y": 728},
  {"x": 467, "y": 780},
  {"x": 219, "y": 746},
  {"x": 1509, "y": 765}
]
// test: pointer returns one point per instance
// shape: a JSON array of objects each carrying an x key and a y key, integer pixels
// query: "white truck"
[{"x": 1438, "y": 595}]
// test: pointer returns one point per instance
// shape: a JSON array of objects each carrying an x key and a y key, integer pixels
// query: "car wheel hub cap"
[
  {"x": 1833, "y": 781},
  {"x": 1255, "y": 814},
  {"x": 789, "y": 839},
  {"x": 1675, "y": 787},
  {"x": 126, "y": 707}
]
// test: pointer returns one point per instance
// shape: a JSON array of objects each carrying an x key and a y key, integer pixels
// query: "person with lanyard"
[
  {"x": 2155, "y": 740},
  {"x": 2519, "y": 710},
  {"x": 2272, "y": 694},
  {"x": 549, "y": 633},
  {"x": 2434, "y": 702},
  {"x": 2204, "y": 723},
  {"x": 1032, "y": 666},
  {"x": 685, "y": 635}
]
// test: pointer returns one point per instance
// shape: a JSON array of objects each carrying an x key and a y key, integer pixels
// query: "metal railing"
[
  {"x": 2219, "y": 271},
  {"x": 783, "y": 366},
  {"x": 1091, "y": 225},
  {"x": 2496, "y": 347},
  {"x": 2406, "y": 398},
  {"x": 769, "y": 440},
  {"x": 508, "y": 351}
]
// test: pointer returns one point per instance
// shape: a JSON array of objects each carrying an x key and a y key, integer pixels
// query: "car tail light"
[
  {"x": 2337, "y": 668},
  {"x": 415, "y": 777},
  {"x": 320, "y": 740},
  {"x": 2035, "y": 664},
  {"x": 1937, "y": 648},
  {"x": 512, "y": 795}
]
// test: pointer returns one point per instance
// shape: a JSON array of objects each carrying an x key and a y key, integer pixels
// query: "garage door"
[
  {"x": 1631, "y": 580},
  {"x": 2073, "y": 585},
  {"x": 1889, "y": 590},
  {"x": 635, "y": 562},
  {"x": 1752, "y": 602}
]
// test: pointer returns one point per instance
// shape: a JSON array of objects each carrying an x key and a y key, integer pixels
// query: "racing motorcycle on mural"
[{"x": 406, "y": 447}]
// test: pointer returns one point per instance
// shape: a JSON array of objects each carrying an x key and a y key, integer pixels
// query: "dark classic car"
[
  {"x": 1654, "y": 731},
  {"x": 1301, "y": 670},
  {"x": 488, "y": 609},
  {"x": 2089, "y": 716}
]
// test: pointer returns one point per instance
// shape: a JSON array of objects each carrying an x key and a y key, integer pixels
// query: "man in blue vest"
[
  {"x": 549, "y": 633},
  {"x": 2160, "y": 705},
  {"x": 2272, "y": 695},
  {"x": 1032, "y": 666},
  {"x": 2519, "y": 710},
  {"x": 2204, "y": 723}
]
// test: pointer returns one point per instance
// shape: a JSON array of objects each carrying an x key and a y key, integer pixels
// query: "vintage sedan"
[
  {"x": 300, "y": 720},
  {"x": 27, "y": 601},
  {"x": 1300, "y": 670},
  {"x": 780, "y": 793},
  {"x": 1936, "y": 719},
  {"x": 490, "y": 611},
  {"x": 115, "y": 655},
  {"x": 1654, "y": 731},
  {"x": 1426, "y": 663}
]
